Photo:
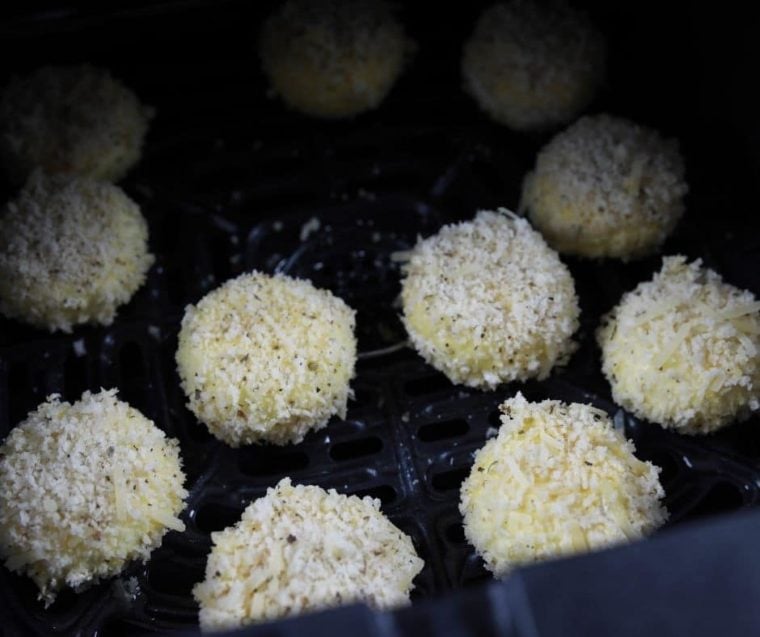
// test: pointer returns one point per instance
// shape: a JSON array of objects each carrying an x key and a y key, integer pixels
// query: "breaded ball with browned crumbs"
[
  {"x": 84, "y": 489},
  {"x": 488, "y": 302},
  {"x": 333, "y": 58},
  {"x": 267, "y": 359},
  {"x": 558, "y": 479},
  {"x": 71, "y": 119},
  {"x": 300, "y": 549},
  {"x": 533, "y": 65},
  {"x": 683, "y": 350},
  {"x": 606, "y": 187},
  {"x": 72, "y": 250}
]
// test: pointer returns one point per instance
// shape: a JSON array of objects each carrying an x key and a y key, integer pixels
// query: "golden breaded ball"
[
  {"x": 72, "y": 250},
  {"x": 531, "y": 65},
  {"x": 73, "y": 120},
  {"x": 683, "y": 350},
  {"x": 558, "y": 479},
  {"x": 488, "y": 302},
  {"x": 84, "y": 489},
  {"x": 300, "y": 549},
  {"x": 606, "y": 187},
  {"x": 333, "y": 58},
  {"x": 266, "y": 359}
]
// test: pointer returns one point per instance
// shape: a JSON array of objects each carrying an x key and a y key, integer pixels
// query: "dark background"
[
  {"x": 686, "y": 68},
  {"x": 223, "y": 162}
]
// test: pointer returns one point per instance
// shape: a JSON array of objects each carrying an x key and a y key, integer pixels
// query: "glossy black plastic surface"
[{"x": 231, "y": 182}]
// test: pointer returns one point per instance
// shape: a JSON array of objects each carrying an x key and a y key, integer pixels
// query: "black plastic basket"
[{"x": 233, "y": 183}]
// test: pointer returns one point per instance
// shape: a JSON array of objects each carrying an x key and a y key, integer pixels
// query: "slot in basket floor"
[{"x": 333, "y": 203}]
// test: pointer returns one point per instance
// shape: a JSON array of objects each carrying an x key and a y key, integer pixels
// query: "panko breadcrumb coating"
[
  {"x": 301, "y": 549},
  {"x": 606, "y": 187},
  {"x": 558, "y": 479},
  {"x": 488, "y": 302},
  {"x": 71, "y": 119},
  {"x": 533, "y": 65},
  {"x": 333, "y": 58},
  {"x": 85, "y": 488},
  {"x": 267, "y": 359},
  {"x": 72, "y": 250},
  {"x": 683, "y": 350}
]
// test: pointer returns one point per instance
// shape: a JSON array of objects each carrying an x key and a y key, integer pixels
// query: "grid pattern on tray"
[
  {"x": 224, "y": 193},
  {"x": 409, "y": 435}
]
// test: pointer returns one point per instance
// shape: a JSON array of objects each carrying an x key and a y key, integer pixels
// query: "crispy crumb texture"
[
  {"x": 333, "y": 58},
  {"x": 683, "y": 349},
  {"x": 72, "y": 250},
  {"x": 300, "y": 549},
  {"x": 487, "y": 301},
  {"x": 267, "y": 359},
  {"x": 85, "y": 488},
  {"x": 533, "y": 65},
  {"x": 606, "y": 187},
  {"x": 558, "y": 479},
  {"x": 71, "y": 119}
]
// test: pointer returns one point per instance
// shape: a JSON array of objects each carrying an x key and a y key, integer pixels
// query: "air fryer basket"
[{"x": 231, "y": 182}]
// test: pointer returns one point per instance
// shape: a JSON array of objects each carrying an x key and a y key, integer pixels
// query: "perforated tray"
[{"x": 224, "y": 194}]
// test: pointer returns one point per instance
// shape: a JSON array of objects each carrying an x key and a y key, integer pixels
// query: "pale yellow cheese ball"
[
  {"x": 84, "y": 489},
  {"x": 683, "y": 350},
  {"x": 558, "y": 479},
  {"x": 531, "y": 65},
  {"x": 73, "y": 120},
  {"x": 333, "y": 58},
  {"x": 606, "y": 187},
  {"x": 72, "y": 250},
  {"x": 301, "y": 549},
  {"x": 266, "y": 359},
  {"x": 488, "y": 302}
]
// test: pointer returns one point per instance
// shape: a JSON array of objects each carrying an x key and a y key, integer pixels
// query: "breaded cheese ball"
[
  {"x": 72, "y": 250},
  {"x": 533, "y": 65},
  {"x": 84, "y": 489},
  {"x": 488, "y": 302},
  {"x": 266, "y": 359},
  {"x": 557, "y": 480},
  {"x": 683, "y": 350},
  {"x": 71, "y": 119},
  {"x": 333, "y": 58},
  {"x": 606, "y": 187},
  {"x": 301, "y": 549}
]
